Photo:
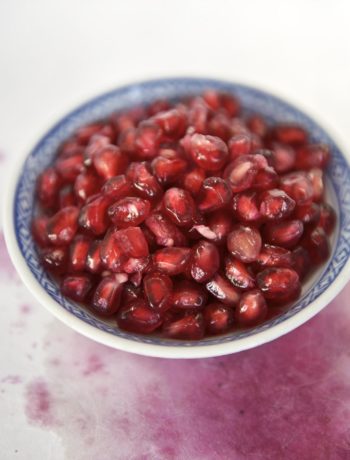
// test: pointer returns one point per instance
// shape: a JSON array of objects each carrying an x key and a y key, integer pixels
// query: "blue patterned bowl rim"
[{"x": 19, "y": 209}]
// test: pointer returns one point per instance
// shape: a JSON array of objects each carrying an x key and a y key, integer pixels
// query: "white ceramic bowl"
[{"x": 316, "y": 294}]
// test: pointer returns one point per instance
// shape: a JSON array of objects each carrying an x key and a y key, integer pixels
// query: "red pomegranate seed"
[
  {"x": 158, "y": 288},
  {"x": 76, "y": 287},
  {"x": 274, "y": 256},
  {"x": 220, "y": 223},
  {"x": 166, "y": 233},
  {"x": 246, "y": 208},
  {"x": 208, "y": 152},
  {"x": 243, "y": 144},
  {"x": 94, "y": 215},
  {"x": 219, "y": 125},
  {"x": 126, "y": 141},
  {"x": 252, "y": 308},
  {"x": 69, "y": 148},
  {"x": 93, "y": 259},
  {"x": 66, "y": 197},
  {"x": 96, "y": 143},
  {"x": 179, "y": 206},
  {"x": 282, "y": 157},
  {"x": 205, "y": 261},
  {"x": 221, "y": 100},
  {"x": 70, "y": 167},
  {"x": 285, "y": 234},
  {"x": 129, "y": 211},
  {"x": 130, "y": 293},
  {"x": 298, "y": 186},
  {"x": 84, "y": 133},
  {"x": 109, "y": 162},
  {"x": 316, "y": 177},
  {"x": 316, "y": 243},
  {"x": 172, "y": 261},
  {"x": 188, "y": 295},
  {"x": 301, "y": 261},
  {"x": 47, "y": 187},
  {"x": 168, "y": 166},
  {"x": 138, "y": 317},
  {"x": 218, "y": 318},
  {"x": 223, "y": 290},
  {"x": 244, "y": 243},
  {"x": 190, "y": 327},
  {"x": 117, "y": 187},
  {"x": 257, "y": 125},
  {"x": 86, "y": 185},
  {"x": 242, "y": 172},
  {"x": 278, "y": 282},
  {"x": 62, "y": 227},
  {"x": 238, "y": 274},
  {"x": 214, "y": 194},
  {"x": 111, "y": 253},
  {"x": 307, "y": 213},
  {"x": 148, "y": 137},
  {"x": 193, "y": 180},
  {"x": 238, "y": 126},
  {"x": 312, "y": 156},
  {"x": 327, "y": 218},
  {"x": 39, "y": 231},
  {"x": 55, "y": 259},
  {"x": 78, "y": 253},
  {"x": 198, "y": 115},
  {"x": 289, "y": 134},
  {"x": 143, "y": 182},
  {"x": 136, "y": 265},
  {"x": 275, "y": 204},
  {"x": 158, "y": 106},
  {"x": 108, "y": 293},
  {"x": 173, "y": 123}
]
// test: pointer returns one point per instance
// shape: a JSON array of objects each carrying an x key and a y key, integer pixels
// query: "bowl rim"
[{"x": 152, "y": 349}]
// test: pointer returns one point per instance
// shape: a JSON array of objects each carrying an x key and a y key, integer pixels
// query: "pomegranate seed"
[
  {"x": 252, "y": 308},
  {"x": 238, "y": 274},
  {"x": 245, "y": 207},
  {"x": 130, "y": 293},
  {"x": 312, "y": 156},
  {"x": 220, "y": 126},
  {"x": 136, "y": 265},
  {"x": 69, "y": 148},
  {"x": 298, "y": 186},
  {"x": 208, "y": 152},
  {"x": 274, "y": 256},
  {"x": 289, "y": 134},
  {"x": 266, "y": 179},
  {"x": 109, "y": 162},
  {"x": 193, "y": 180},
  {"x": 301, "y": 261},
  {"x": 257, "y": 125},
  {"x": 107, "y": 296},
  {"x": 217, "y": 318},
  {"x": 188, "y": 295},
  {"x": 86, "y": 185},
  {"x": 220, "y": 223},
  {"x": 84, "y": 133},
  {"x": 214, "y": 194},
  {"x": 316, "y": 243},
  {"x": 138, "y": 317},
  {"x": 172, "y": 260},
  {"x": 94, "y": 217},
  {"x": 277, "y": 282},
  {"x": 168, "y": 166},
  {"x": 78, "y": 253},
  {"x": 111, "y": 253},
  {"x": 76, "y": 287},
  {"x": 55, "y": 259},
  {"x": 166, "y": 233},
  {"x": 220, "y": 100},
  {"x": 39, "y": 231},
  {"x": 70, "y": 167},
  {"x": 285, "y": 234},
  {"x": 190, "y": 327},
  {"x": 244, "y": 243},
  {"x": 179, "y": 206},
  {"x": 66, "y": 197},
  {"x": 47, "y": 187},
  {"x": 242, "y": 171},
  {"x": 129, "y": 211},
  {"x": 275, "y": 204},
  {"x": 96, "y": 143},
  {"x": 126, "y": 141},
  {"x": 282, "y": 157},
  {"x": 93, "y": 259},
  {"x": 307, "y": 213},
  {"x": 238, "y": 126},
  {"x": 143, "y": 182},
  {"x": 158, "y": 288},
  {"x": 205, "y": 261},
  {"x": 62, "y": 227},
  {"x": 243, "y": 144},
  {"x": 327, "y": 218},
  {"x": 117, "y": 187},
  {"x": 148, "y": 137},
  {"x": 123, "y": 121},
  {"x": 173, "y": 123},
  {"x": 316, "y": 177},
  {"x": 158, "y": 106},
  {"x": 223, "y": 290}
]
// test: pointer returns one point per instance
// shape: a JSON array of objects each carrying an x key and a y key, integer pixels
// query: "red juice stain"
[
  {"x": 12, "y": 379},
  {"x": 38, "y": 406},
  {"x": 25, "y": 309},
  {"x": 94, "y": 365}
]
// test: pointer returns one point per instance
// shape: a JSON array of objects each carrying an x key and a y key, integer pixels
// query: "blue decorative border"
[{"x": 143, "y": 93}]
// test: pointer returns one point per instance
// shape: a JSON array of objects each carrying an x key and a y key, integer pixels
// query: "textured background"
[{"x": 64, "y": 397}]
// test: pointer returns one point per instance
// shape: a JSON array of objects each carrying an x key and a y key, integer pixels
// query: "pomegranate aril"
[
  {"x": 327, "y": 218},
  {"x": 96, "y": 143},
  {"x": 205, "y": 261},
  {"x": 316, "y": 177},
  {"x": 282, "y": 157},
  {"x": 301, "y": 261},
  {"x": 312, "y": 156},
  {"x": 238, "y": 274},
  {"x": 307, "y": 213},
  {"x": 136, "y": 265},
  {"x": 172, "y": 261},
  {"x": 285, "y": 234},
  {"x": 70, "y": 167},
  {"x": 84, "y": 133},
  {"x": 62, "y": 227},
  {"x": 137, "y": 316},
  {"x": 179, "y": 206},
  {"x": 252, "y": 308},
  {"x": 277, "y": 282},
  {"x": 243, "y": 144},
  {"x": 208, "y": 152},
  {"x": 78, "y": 253},
  {"x": 66, "y": 197},
  {"x": 220, "y": 223},
  {"x": 289, "y": 134},
  {"x": 257, "y": 125},
  {"x": 218, "y": 318},
  {"x": 108, "y": 293},
  {"x": 158, "y": 106},
  {"x": 129, "y": 211},
  {"x": 69, "y": 148},
  {"x": 275, "y": 204},
  {"x": 298, "y": 186},
  {"x": 109, "y": 162},
  {"x": 223, "y": 290},
  {"x": 241, "y": 172},
  {"x": 266, "y": 179},
  {"x": 219, "y": 125},
  {"x": 188, "y": 295},
  {"x": 275, "y": 256},
  {"x": 126, "y": 141},
  {"x": 245, "y": 207},
  {"x": 130, "y": 293},
  {"x": 39, "y": 230},
  {"x": 221, "y": 100},
  {"x": 142, "y": 181},
  {"x": 214, "y": 194},
  {"x": 166, "y": 233},
  {"x": 190, "y": 327},
  {"x": 198, "y": 115},
  {"x": 55, "y": 259},
  {"x": 316, "y": 243},
  {"x": 173, "y": 123},
  {"x": 76, "y": 287},
  {"x": 117, "y": 187},
  {"x": 86, "y": 185},
  {"x": 93, "y": 259},
  {"x": 148, "y": 137},
  {"x": 244, "y": 243},
  {"x": 94, "y": 215},
  {"x": 193, "y": 180},
  {"x": 47, "y": 187},
  {"x": 158, "y": 288},
  {"x": 168, "y": 166}
]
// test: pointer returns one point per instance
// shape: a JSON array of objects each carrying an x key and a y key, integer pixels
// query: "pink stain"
[
  {"x": 93, "y": 365},
  {"x": 39, "y": 403},
  {"x": 12, "y": 379},
  {"x": 25, "y": 309}
]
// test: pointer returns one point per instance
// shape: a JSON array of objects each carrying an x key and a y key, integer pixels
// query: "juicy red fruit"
[
  {"x": 244, "y": 243},
  {"x": 218, "y": 318},
  {"x": 208, "y": 152},
  {"x": 129, "y": 211},
  {"x": 138, "y": 317},
  {"x": 205, "y": 261},
  {"x": 179, "y": 206},
  {"x": 215, "y": 194}
]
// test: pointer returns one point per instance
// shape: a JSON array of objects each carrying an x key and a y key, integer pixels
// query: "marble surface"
[{"x": 64, "y": 397}]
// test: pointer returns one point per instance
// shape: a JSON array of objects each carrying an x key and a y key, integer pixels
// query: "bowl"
[{"x": 316, "y": 293}]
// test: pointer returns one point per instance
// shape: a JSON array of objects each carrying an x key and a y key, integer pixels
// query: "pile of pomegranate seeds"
[{"x": 184, "y": 219}]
